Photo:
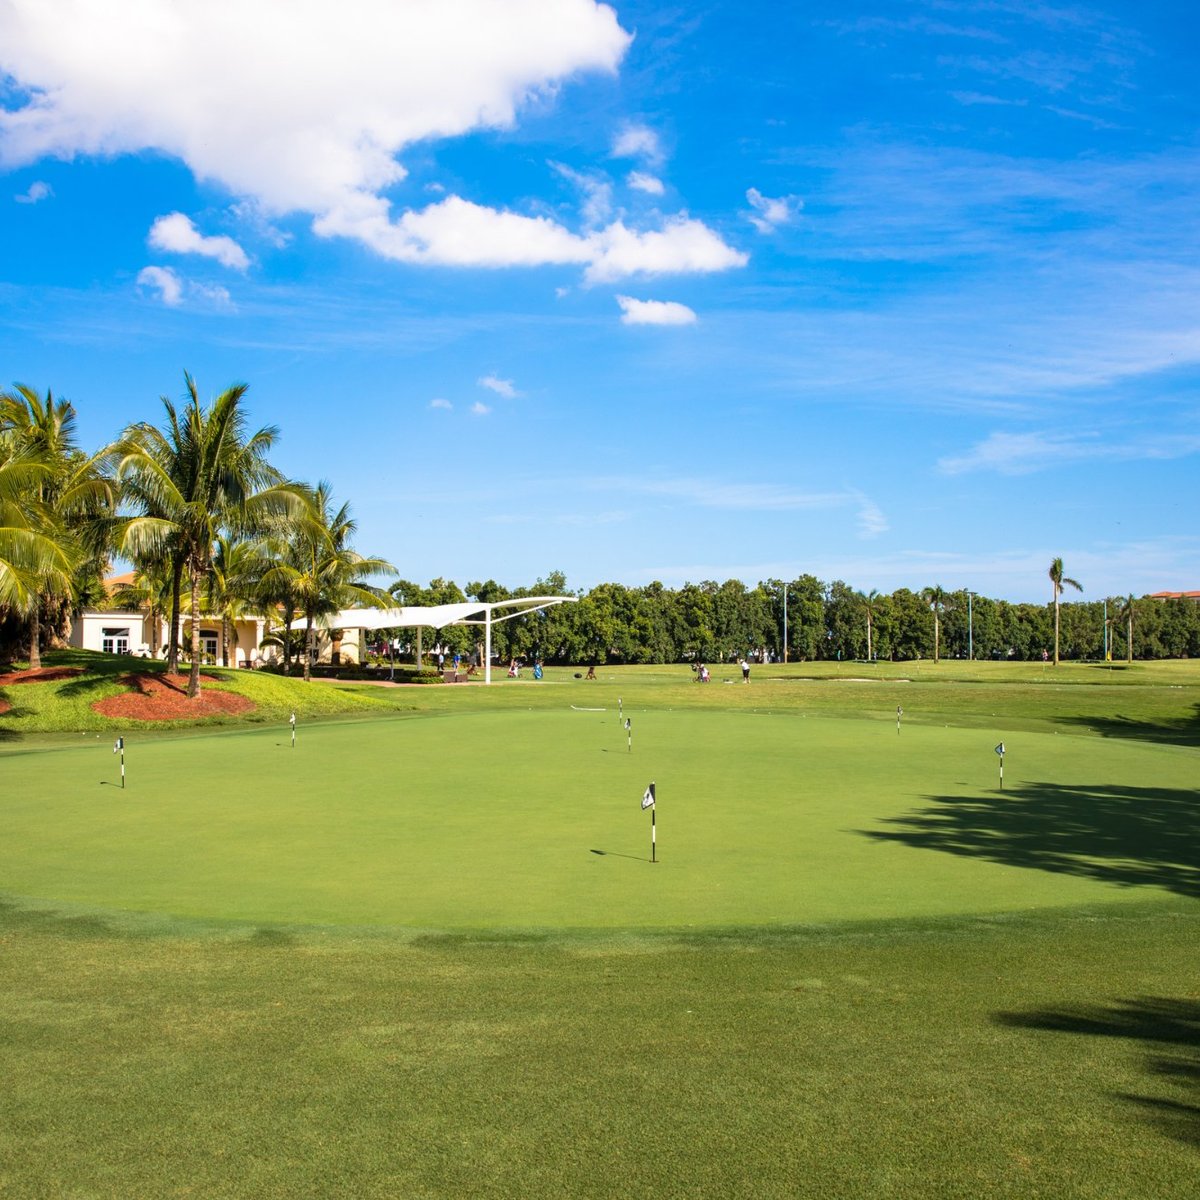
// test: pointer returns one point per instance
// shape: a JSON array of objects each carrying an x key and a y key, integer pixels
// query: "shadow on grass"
[
  {"x": 16, "y": 918},
  {"x": 1133, "y": 836},
  {"x": 1175, "y": 731},
  {"x": 1171, "y": 1026}
]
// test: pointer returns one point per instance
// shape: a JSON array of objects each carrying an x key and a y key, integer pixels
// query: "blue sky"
[{"x": 897, "y": 293}]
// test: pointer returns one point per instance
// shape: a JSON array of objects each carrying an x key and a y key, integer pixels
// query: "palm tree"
[
  {"x": 28, "y": 557},
  {"x": 321, "y": 572},
  {"x": 232, "y": 588},
  {"x": 1126, "y": 613},
  {"x": 70, "y": 501},
  {"x": 868, "y": 603},
  {"x": 150, "y": 593},
  {"x": 1058, "y": 580},
  {"x": 200, "y": 476},
  {"x": 935, "y": 597}
]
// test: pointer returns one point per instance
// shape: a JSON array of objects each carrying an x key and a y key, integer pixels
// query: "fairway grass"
[{"x": 424, "y": 953}]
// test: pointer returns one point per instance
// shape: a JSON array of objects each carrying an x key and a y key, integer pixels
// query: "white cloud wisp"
[
  {"x": 654, "y": 312},
  {"x": 176, "y": 234}
]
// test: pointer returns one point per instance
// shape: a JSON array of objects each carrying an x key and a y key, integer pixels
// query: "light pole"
[{"x": 785, "y": 621}]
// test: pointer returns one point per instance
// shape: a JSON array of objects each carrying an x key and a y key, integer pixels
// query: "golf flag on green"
[
  {"x": 648, "y": 799},
  {"x": 1000, "y": 751},
  {"x": 119, "y": 747}
]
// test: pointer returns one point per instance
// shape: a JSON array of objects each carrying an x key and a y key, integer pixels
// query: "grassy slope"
[{"x": 1055, "y": 1053}]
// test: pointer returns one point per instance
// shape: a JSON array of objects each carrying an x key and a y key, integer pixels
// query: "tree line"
[
  {"x": 212, "y": 529},
  {"x": 716, "y": 622}
]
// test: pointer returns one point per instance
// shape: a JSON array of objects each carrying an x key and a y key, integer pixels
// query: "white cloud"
[
  {"x": 640, "y": 181},
  {"x": 212, "y": 294},
  {"x": 1024, "y": 453},
  {"x": 597, "y": 194},
  {"x": 38, "y": 190},
  {"x": 438, "y": 402},
  {"x": 455, "y": 232},
  {"x": 168, "y": 284},
  {"x": 296, "y": 104},
  {"x": 176, "y": 233},
  {"x": 480, "y": 409},
  {"x": 502, "y": 387},
  {"x": 769, "y": 213},
  {"x": 654, "y": 312},
  {"x": 637, "y": 141},
  {"x": 682, "y": 245}
]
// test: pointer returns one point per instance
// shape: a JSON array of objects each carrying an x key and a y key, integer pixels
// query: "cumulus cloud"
[
  {"x": 176, "y": 234},
  {"x": 296, "y": 104},
  {"x": 438, "y": 402},
  {"x": 769, "y": 213},
  {"x": 456, "y": 232},
  {"x": 502, "y": 387},
  {"x": 654, "y": 312},
  {"x": 480, "y": 409},
  {"x": 38, "y": 190},
  {"x": 683, "y": 245},
  {"x": 637, "y": 141},
  {"x": 168, "y": 285},
  {"x": 640, "y": 181}
]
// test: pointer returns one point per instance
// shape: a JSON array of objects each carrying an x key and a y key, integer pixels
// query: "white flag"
[
  {"x": 648, "y": 798},
  {"x": 1000, "y": 749}
]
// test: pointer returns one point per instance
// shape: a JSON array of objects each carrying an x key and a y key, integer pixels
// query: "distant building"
[{"x": 1175, "y": 595}]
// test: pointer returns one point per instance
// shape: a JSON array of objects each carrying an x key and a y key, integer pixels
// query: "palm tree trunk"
[
  {"x": 308, "y": 645},
  {"x": 193, "y": 688},
  {"x": 176, "y": 604},
  {"x": 868, "y": 637},
  {"x": 1129, "y": 641},
  {"x": 1056, "y": 628},
  {"x": 35, "y": 634},
  {"x": 224, "y": 641},
  {"x": 937, "y": 637}
]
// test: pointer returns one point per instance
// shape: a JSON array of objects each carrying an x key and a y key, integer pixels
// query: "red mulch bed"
[
  {"x": 41, "y": 675},
  {"x": 164, "y": 698},
  {"x": 4, "y": 706}
]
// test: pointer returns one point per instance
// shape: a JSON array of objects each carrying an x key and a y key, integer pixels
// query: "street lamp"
[{"x": 785, "y": 648}]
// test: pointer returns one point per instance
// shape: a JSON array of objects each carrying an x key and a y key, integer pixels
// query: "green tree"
[
  {"x": 935, "y": 597},
  {"x": 1126, "y": 613},
  {"x": 322, "y": 571},
  {"x": 200, "y": 475},
  {"x": 70, "y": 501},
  {"x": 1058, "y": 581}
]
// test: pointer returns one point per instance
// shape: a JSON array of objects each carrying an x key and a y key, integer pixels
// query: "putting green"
[{"x": 533, "y": 819}]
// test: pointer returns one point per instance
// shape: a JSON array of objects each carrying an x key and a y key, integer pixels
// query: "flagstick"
[
  {"x": 122, "y": 764},
  {"x": 899, "y": 711},
  {"x": 629, "y": 734},
  {"x": 653, "y": 835},
  {"x": 1002, "y": 772},
  {"x": 293, "y": 721}
]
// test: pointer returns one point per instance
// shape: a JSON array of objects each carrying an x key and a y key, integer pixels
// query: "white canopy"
[{"x": 438, "y": 616}]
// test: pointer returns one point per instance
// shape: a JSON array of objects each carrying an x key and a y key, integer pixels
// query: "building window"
[
  {"x": 114, "y": 641},
  {"x": 208, "y": 646}
]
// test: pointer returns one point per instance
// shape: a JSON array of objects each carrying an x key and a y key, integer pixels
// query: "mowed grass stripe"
[{"x": 491, "y": 820}]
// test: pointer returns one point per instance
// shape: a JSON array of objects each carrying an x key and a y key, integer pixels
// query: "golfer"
[{"x": 745, "y": 670}]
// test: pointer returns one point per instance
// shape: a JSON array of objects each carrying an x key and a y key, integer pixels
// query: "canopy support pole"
[{"x": 487, "y": 642}]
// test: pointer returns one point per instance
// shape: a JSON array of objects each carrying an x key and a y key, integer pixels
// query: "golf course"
[{"x": 421, "y": 944}]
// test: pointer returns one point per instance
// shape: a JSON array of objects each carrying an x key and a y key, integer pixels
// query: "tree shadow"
[
  {"x": 1183, "y": 730},
  {"x": 1170, "y": 1026},
  {"x": 1132, "y": 836}
]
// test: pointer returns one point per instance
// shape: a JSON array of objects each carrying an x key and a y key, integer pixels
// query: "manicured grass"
[
  {"x": 1044, "y": 1055},
  {"x": 388, "y": 963},
  {"x": 533, "y": 819}
]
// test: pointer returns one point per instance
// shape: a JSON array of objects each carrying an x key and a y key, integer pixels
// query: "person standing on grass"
[{"x": 745, "y": 670}]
